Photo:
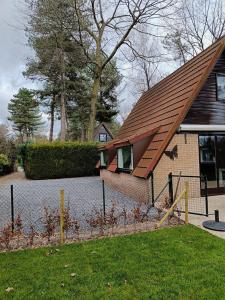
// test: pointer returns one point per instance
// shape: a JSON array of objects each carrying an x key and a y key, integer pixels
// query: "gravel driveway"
[{"x": 81, "y": 194}]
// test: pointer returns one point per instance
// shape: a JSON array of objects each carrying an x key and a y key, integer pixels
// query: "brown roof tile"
[{"x": 166, "y": 104}]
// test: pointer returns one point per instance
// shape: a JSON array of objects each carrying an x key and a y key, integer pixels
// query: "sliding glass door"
[
  {"x": 208, "y": 159},
  {"x": 220, "y": 159},
  {"x": 212, "y": 160}
]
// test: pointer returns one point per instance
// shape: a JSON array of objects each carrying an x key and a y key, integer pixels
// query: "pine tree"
[{"x": 24, "y": 114}]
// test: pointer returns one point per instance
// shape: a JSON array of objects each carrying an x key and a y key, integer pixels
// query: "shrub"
[
  {"x": 60, "y": 160},
  {"x": 4, "y": 160},
  {"x": 8, "y": 160},
  {"x": 4, "y": 164}
]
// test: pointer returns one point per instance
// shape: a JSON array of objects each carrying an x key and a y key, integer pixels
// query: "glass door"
[
  {"x": 208, "y": 159},
  {"x": 220, "y": 159}
]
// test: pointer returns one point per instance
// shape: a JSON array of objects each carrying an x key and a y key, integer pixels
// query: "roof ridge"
[
  {"x": 159, "y": 105},
  {"x": 189, "y": 61}
]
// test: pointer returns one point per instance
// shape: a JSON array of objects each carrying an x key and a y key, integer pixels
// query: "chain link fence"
[
  {"x": 197, "y": 195},
  {"x": 32, "y": 208}
]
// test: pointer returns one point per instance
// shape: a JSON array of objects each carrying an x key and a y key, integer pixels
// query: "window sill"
[
  {"x": 127, "y": 171},
  {"x": 103, "y": 167}
]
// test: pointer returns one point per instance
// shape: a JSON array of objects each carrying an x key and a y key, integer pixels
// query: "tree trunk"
[
  {"x": 63, "y": 118},
  {"x": 82, "y": 137},
  {"x": 62, "y": 97},
  {"x": 94, "y": 100},
  {"x": 52, "y": 118}
]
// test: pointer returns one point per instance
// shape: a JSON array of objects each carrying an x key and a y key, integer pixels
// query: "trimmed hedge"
[{"x": 60, "y": 160}]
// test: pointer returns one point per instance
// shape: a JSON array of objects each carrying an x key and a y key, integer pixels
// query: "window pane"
[
  {"x": 220, "y": 158},
  {"x": 103, "y": 158},
  {"x": 207, "y": 148},
  {"x": 127, "y": 157},
  {"x": 207, "y": 159},
  {"x": 221, "y": 87},
  {"x": 120, "y": 158},
  {"x": 103, "y": 137}
]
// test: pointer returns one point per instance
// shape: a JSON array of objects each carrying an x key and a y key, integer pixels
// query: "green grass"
[{"x": 174, "y": 263}]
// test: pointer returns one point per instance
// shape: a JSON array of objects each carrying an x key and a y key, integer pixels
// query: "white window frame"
[
  {"x": 120, "y": 163},
  {"x": 105, "y": 135},
  {"x": 217, "y": 84},
  {"x": 103, "y": 163}
]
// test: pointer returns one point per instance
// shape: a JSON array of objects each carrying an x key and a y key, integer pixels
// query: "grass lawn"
[{"x": 174, "y": 263}]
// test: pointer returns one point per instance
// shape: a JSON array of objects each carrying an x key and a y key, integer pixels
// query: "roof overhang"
[
  {"x": 130, "y": 140},
  {"x": 201, "y": 128}
]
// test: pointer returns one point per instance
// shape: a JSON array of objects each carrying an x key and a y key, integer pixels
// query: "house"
[
  {"x": 102, "y": 133},
  {"x": 177, "y": 126}
]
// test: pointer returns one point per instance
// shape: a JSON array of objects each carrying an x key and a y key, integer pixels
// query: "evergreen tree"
[
  {"x": 24, "y": 114},
  {"x": 60, "y": 62}
]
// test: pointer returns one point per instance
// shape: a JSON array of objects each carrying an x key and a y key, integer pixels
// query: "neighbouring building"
[
  {"x": 103, "y": 133},
  {"x": 177, "y": 127}
]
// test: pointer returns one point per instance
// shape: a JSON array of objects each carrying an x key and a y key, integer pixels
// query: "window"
[
  {"x": 125, "y": 158},
  {"x": 102, "y": 137},
  {"x": 103, "y": 158},
  {"x": 220, "y": 78},
  {"x": 208, "y": 159},
  {"x": 207, "y": 148}
]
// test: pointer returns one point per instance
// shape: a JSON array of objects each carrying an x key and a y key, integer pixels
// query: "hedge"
[{"x": 60, "y": 160}]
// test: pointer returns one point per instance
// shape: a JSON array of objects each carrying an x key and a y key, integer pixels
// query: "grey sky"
[{"x": 13, "y": 53}]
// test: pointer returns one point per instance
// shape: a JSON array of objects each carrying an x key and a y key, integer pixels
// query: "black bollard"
[{"x": 217, "y": 219}]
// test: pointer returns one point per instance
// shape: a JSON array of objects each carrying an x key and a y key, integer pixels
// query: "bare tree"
[
  {"x": 196, "y": 25},
  {"x": 146, "y": 61},
  {"x": 109, "y": 25}
]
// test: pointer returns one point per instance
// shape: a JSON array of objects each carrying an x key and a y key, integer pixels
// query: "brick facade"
[
  {"x": 134, "y": 187},
  {"x": 187, "y": 163}
]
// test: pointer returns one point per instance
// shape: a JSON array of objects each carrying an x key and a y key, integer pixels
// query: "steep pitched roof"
[
  {"x": 106, "y": 126},
  {"x": 167, "y": 103}
]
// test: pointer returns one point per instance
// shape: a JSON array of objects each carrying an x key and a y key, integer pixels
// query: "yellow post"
[
  {"x": 62, "y": 210},
  {"x": 172, "y": 208},
  {"x": 186, "y": 202}
]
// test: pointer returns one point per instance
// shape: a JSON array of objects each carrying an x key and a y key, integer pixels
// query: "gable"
[
  {"x": 102, "y": 129},
  {"x": 166, "y": 105},
  {"x": 206, "y": 109}
]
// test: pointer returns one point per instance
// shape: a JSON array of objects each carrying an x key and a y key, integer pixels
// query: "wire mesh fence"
[
  {"x": 198, "y": 197},
  {"x": 92, "y": 207}
]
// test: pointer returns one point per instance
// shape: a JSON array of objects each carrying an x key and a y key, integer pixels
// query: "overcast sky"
[{"x": 13, "y": 53}]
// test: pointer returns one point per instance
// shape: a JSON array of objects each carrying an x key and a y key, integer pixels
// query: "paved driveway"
[{"x": 215, "y": 202}]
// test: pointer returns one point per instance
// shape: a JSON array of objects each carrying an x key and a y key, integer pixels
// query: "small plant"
[
  {"x": 137, "y": 214},
  {"x": 31, "y": 236},
  {"x": 51, "y": 221},
  {"x": 92, "y": 222},
  {"x": 6, "y": 236},
  {"x": 111, "y": 217},
  {"x": 70, "y": 223},
  {"x": 124, "y": 215},
  {"x": 18, "y": 224},
  {"x": 76, "y": 227}
]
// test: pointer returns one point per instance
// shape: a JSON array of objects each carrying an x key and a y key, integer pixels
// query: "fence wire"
[
  {"x": 83, "y": 197},
  {"x": 197, "y": 193}
]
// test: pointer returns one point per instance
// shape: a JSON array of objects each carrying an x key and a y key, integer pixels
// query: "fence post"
[
  {"x": 186, "y": 201},
  {"x": 206, "y": 197},
  {"x": 152, "y": 187},
  {"x": 103, "y": 196},
  {"x": 62, "y": 210},
  {"x": 12, "y": 207},
  {"x": 170, "y": 180}
]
